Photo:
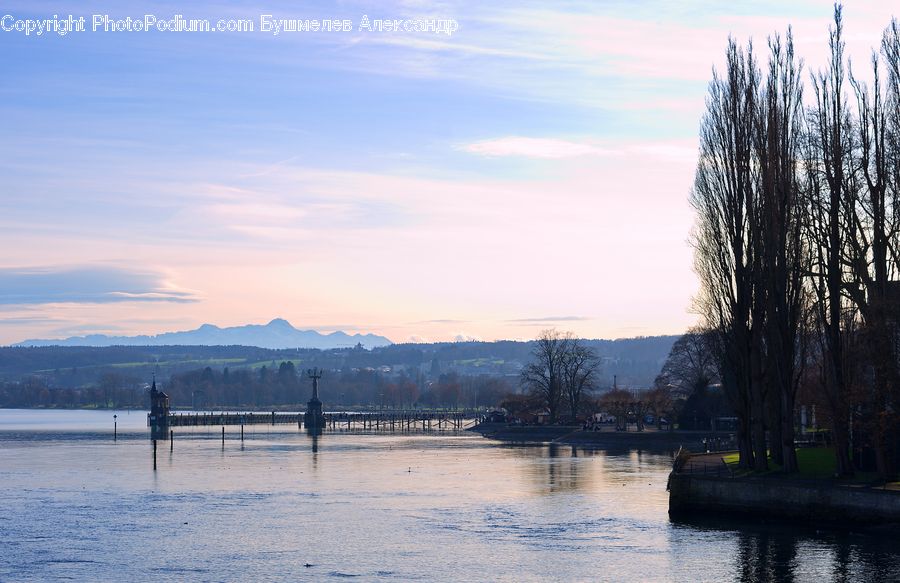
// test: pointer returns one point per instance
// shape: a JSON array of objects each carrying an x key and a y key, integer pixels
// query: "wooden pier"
[
  {"x": 187, "y": 419},
  {"x": 422, "y": 420},
  {"x": 393, "y": 420}
]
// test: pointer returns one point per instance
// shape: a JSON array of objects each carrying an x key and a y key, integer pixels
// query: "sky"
[{"x": 529, "y": 171}]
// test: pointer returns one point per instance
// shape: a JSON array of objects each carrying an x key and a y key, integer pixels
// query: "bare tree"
[
  {"x": 829, "y": 183},
  {"x": 691, "y": 362},
  {"x": 726, "y": 253},
  {"x": 638, "y": 407},
  {"x": 580, "y": 369},
  {"x": 688, "y": 370},
  {"x": 660, "y": 402},
  {"x": 873, "y": 244},
  {"x": 544, "y": 376},
  {"x": 617, "y": 402},
  {"x": 797, "y": 215},
  {"x": 782, "y": 254}
]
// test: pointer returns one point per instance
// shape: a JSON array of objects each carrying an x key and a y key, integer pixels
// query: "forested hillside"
[{"x": 246, "y": 375}]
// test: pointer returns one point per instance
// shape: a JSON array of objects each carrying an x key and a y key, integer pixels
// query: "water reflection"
[
  {"x": 561, "y": 466},
  {"x": 764, "y": 557},
  {"x": 556, "y": 468},
  {"x": 788, "y": 552}
]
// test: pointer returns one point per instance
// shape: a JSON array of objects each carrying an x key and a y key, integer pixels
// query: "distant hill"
[
  {"x": 635, "y": 362},
  {"x": 277, "y": 334}
]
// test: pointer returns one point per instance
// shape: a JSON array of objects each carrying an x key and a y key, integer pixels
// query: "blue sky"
[{"x": 529, "y": 171}]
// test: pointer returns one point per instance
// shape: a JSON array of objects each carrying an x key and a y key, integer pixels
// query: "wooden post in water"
[
  {"x": 154, "y": 455},
  {"x": 223, "y": 436},
  {"x": 242, "y": 432},
  {"x": 115, "y": 428},
  {"x": 171, "y": 440}
]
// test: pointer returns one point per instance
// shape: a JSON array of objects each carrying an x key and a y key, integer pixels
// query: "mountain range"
[{"x": 276, "y": 334}]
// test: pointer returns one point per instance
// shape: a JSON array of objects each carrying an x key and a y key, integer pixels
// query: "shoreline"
[{"x": 574, "y": 435}]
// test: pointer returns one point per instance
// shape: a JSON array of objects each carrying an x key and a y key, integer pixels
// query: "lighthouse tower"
[{"x": 158, "y": 418}]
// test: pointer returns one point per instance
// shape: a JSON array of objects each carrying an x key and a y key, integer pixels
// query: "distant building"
[{"x": 158, "y": 418}]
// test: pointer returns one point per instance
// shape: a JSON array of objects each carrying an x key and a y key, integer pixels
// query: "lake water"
[{"x": 371, "y": 507}]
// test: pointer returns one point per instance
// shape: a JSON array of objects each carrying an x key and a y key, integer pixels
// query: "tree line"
[
  {"x": 797, "y": 248},
  {"x": 280, "y": 385},
  {"x": 111, "y": 391},
  {"x": 286, "y": 386}
]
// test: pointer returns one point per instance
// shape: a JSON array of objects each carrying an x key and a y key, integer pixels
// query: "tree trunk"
[
  {"x": 775, "y": 423},
  {"x": 882, "y": 414},
  {"x": 788, "y": 451},
  {"x": 757, "y": 411},
  {"x": 745, "y": 446},
  {"x": 842, "y": 446}
]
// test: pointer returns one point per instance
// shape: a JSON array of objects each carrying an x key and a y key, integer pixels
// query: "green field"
[
  {"x": 478, "y": 362},
  {"x": 814, "y": 463},
  {"x": 161, "y": 363}
]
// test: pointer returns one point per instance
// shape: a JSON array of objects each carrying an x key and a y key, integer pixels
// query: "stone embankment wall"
[{"x": 810, "y": 502}]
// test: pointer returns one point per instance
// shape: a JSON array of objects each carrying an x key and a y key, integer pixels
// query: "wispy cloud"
[
  {"x": 25, "y": 320},
  {"x": 557, "y": 148},
  {"x": 86, "y": 330},
  {"x": 534, "y": 148},
  {"x": 86, "y": 285},
  {"x": 329, "y": 328},
  {"x": 550, "y": 319}
]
